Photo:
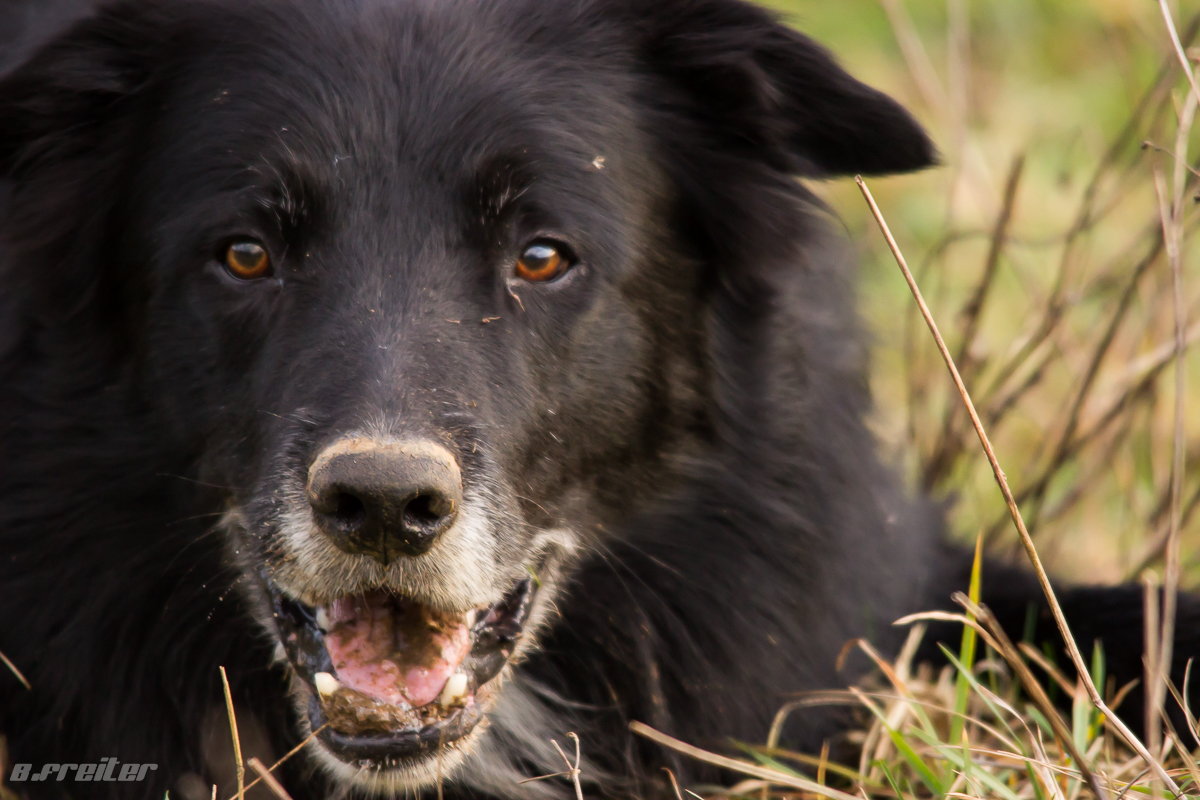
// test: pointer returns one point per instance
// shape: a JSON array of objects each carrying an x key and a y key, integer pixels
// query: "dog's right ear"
[
  {"x": 760, "y": 88},
  {"x": 65, "y": 99}
]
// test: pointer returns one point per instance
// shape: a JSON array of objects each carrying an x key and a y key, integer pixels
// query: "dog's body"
[{"x": 550, "y": 253}]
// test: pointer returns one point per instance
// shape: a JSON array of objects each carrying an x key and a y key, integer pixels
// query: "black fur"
[{"x": 689, "y": 400}]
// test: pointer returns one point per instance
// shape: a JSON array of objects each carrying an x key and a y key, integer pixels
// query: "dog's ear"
[
  {"x": 763, "y": 85},
  {"x": 64, "y": 99},
  {"x": 71, "y": 115}
]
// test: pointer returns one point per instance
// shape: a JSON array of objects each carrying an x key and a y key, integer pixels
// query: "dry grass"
[
  {"x": 1065, "y": 305},
  {"x": 1041, "y": 250}
]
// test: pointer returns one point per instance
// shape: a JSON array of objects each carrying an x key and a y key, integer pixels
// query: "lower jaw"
[{"x": 398, "y": 749}]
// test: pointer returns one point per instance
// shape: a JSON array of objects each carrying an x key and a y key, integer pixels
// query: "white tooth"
[
  {"x": 456, "y": 687},
  {"x": 326, "y": 684},
  {"x": 471, "y": 618},
  {"x": 322, "y": 619}
]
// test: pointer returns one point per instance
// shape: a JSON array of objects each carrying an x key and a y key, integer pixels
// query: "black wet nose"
[{"x": 385, "y": 499}]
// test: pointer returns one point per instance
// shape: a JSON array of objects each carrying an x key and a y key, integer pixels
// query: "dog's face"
[{"x": 425, "y": 288}]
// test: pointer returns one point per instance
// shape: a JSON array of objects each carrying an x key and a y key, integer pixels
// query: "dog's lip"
[
  {"x": 388, "y": 749},
  {"x": 493, "y": 640}
]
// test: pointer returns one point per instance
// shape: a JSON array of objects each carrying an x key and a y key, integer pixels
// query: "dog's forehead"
[{"x": 444, "y": 89}]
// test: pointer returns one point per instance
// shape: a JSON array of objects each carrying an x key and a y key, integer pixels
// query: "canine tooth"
[
  {"x": 471, "y": 618},
  {"x": 327, "y": 684},
  {"x": 456, "y": 687},
  {"x": 322, "y": 619}
]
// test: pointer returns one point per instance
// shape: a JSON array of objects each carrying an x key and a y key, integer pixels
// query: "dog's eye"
[
  {"x": 541, "y": 262},
  {"x": 247, "y": 260}
]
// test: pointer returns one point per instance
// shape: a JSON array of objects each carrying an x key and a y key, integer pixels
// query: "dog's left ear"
[
  {"x": 760, "y": 84},
  {"x": 63, "y": 102}
]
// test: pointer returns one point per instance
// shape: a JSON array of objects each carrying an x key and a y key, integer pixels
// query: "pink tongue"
[{"x": 394, "y": 650}]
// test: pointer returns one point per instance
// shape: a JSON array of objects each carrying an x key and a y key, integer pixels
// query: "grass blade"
[{"x": 966, "y": 651}]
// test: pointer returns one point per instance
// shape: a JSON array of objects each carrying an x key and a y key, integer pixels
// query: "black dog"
[{"x": 455, "y": 374}]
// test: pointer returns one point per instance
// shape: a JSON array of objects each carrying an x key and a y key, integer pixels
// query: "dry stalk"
[
  {"x": 285, "y": 757},
  {"x": 675, "y": 783},
  {"x": 1173, "y": 236},
  {"x": 919, "y": 65},
  {"x": 573, "y": 772},
  {"x": 13, "y": 669},
  {"x": 237, "y": 745},
  {"x": 734, "y": 765},
  {"x": 1151, "y": 656},
  {"x": 958, "y": 38},
  {"x": 1183, "y": 59},
  {"x": 266, "y": 777},
  {"x": 1026, "y": 540}
]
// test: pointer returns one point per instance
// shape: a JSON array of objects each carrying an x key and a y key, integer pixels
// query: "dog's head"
[{"x": 426, "y": 287}]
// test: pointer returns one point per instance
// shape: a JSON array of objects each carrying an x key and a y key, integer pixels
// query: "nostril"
[
  {"x": 349, "y": 512},
  {"x": 421, "y": 513}
]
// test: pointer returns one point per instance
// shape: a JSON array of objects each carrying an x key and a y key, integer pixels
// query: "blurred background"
[{"x": 1039, "y": 246}]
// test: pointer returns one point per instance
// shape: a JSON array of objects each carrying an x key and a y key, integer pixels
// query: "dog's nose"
[{"x": 385, "y": 499}]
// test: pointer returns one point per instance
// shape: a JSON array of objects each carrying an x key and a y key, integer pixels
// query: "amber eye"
[
  {"x": 541, "y": 262},
  {"x": 247, "y": 260}
]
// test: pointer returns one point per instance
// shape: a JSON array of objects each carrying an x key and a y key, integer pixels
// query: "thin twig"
[
  {"x": 572, "y": 770},
  {"x": 1149, "y": 145},
  {"x": 577, "y": 771},
  {"x": 950, "y": 443},
  {"x": 1151, "y": 630},
  {"x": 285, "y": 757},
  {"x": 13, "y": 668},
  {"x": 973, "y": 310},
  {"x": 543, "y": 777},
  {"x": 237, "y": 745},
  {"x": 998, "y": 408},
  {"x": 266, "y": 777},
  {"x": 1173, "y": 234},
  {"x": 1183, "y": 703},
  {"x": 675, "y": 783},
  {"x": 919, "y": 65},
  {"x": 1026, "y": 540},
  {"x": 1159, "y": 667},
  {"x": 1155, "y": 549},
  {"x": 1183, "y": 59}
]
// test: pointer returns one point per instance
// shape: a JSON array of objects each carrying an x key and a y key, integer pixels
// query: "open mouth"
[{"x": 392, "y": 678}]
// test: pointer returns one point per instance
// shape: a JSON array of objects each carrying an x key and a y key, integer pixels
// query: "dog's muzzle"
[{"x": 391, "y": 677}]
